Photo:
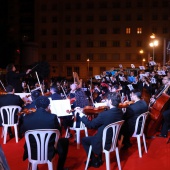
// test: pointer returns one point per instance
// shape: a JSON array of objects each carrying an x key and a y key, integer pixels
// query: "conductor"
[{"x": 13, "y": 78}]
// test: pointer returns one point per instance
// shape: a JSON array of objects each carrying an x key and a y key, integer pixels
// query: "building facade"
[{"x": 92, "y": 36}]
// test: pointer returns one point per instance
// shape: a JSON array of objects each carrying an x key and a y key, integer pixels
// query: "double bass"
[{"x": 155, "y": 117}]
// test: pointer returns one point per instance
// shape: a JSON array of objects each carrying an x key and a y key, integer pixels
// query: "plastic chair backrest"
[
  {"x": 42, "y": 137},
  {"x": 9, "y": 112},
  {"x": 141, "y": 119},
  {"x": 115, "y": 129},
  {"x": 82, "y": 126}
]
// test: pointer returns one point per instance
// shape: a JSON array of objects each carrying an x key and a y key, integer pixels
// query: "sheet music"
[
  {"x": 23, "y": 95},
  {"x": 130, "y": 87},
  {"x": 141, "y": 67},
  {"x": 97, "y": 77},
  {"x": 59, "y": 107},
  {"x": 152, "y": 63},
  {"x": 99, "y": 104}
]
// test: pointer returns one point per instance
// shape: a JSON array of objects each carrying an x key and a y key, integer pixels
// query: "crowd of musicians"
[{"x": 142, "y": 87}]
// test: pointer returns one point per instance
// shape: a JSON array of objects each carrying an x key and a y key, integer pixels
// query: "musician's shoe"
[
  {"x": 161, "y": 136},
  {"x": 95, "y": 163}
]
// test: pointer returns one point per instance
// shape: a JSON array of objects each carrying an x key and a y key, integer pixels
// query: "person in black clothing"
[
  {"x": 42, "y": 119},
  {"x": 28, "y": 108},
  {"x": 105, "y": 118},
  {"x": 55, "y": 93},
  {"x": 130, "y": 116},
  {"x": 13, "y": 78},
  {"x": 10, "y": 99}
]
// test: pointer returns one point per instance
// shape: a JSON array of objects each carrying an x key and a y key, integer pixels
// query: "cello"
[{"x": 155, "y": 117}]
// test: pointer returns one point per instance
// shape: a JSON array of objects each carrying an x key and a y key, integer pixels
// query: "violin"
[
  {"x": 27, "y": 111},
  {"x": 47, "y": 94},
  {"x": 126, "y": 104}
]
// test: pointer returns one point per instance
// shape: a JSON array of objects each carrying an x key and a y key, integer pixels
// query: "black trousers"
[
  {"x": 62, "y": 150},
  {"x": 166, "y": 122}
]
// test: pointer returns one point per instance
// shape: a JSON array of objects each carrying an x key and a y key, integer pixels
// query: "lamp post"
[
  {"x": 88, "y": 67},
  {"x": 153, "y": 44},
  {"x": 141, "y": 53}
]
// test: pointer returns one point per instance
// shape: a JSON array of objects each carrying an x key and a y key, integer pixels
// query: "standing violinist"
[{"x": 13, "y": 77}]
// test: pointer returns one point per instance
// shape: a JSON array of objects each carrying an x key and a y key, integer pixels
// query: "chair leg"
[
  {"x": 78, "y": 138},
  {"x": 66, "y": 135},
  {"x": 118, "y": 158},
  {"x": 107, "y": 158},
  {"x": 86, "y": 132},
  {"x": 88, "y": 157},
  {"x": 2, "y": 133},
  {"x": 139, "y": 146},
  {"x": 16, "y": 133},
  {"x": 34, "y": 166},
  {"x": 50, "y": 165},
  {"x": 5, "y": 134},
  {"x": 144, "y": 142}
]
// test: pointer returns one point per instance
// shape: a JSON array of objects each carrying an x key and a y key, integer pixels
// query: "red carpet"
[{"x": 157, "y": 158}]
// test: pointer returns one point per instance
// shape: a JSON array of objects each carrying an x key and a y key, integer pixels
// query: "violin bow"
[
  {"x": 2, "y": 85},
  {"x": 39, "y": 83},
  {"x": 64, "y": 91}
]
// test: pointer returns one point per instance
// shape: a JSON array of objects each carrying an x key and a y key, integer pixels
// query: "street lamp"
[
  {"x": 88, "y": 67},
  {"x": 143, "y": 61},
  {"x": 153, "y": 44}
]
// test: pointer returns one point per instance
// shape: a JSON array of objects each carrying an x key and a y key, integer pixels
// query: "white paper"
[
  {"x": 24, "y": 95},
  {"x": 99, "y": 104},
  {"x": 97, "y": 77},
  {"x": 60, "y": 107},
  {"x": 130, "y": 87},
  {"x": 141, "y": 67}
]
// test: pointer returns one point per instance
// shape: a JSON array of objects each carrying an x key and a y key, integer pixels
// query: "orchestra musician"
[
  {"x": 27, "y": 109},
  {"x": 81, "y": 100},
  {"x": 10, "y": 99},
  {"x": 165, "y": 84},
  {"x": 42, "y": 119},
  {"x": 132, "y": 112},
  {"x": 13, "y": 77},
  {"x": 166, "y": 113},
  {"x": 112, "y": 115},
  {"x": 54, "y": 93}
]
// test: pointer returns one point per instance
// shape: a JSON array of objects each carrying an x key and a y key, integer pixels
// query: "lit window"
[
  {"x": 128, "y": 30},
  {"x": 139, "y": 30}
]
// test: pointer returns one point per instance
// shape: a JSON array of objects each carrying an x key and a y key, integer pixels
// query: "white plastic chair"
[
  {"x": 42, "y": 137},
  {"x": 82, "y": 127},
  {"x": 9, "y": 112},
  {"x": 141, "y": 118},
  {"x": 116, "y": 128}
]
